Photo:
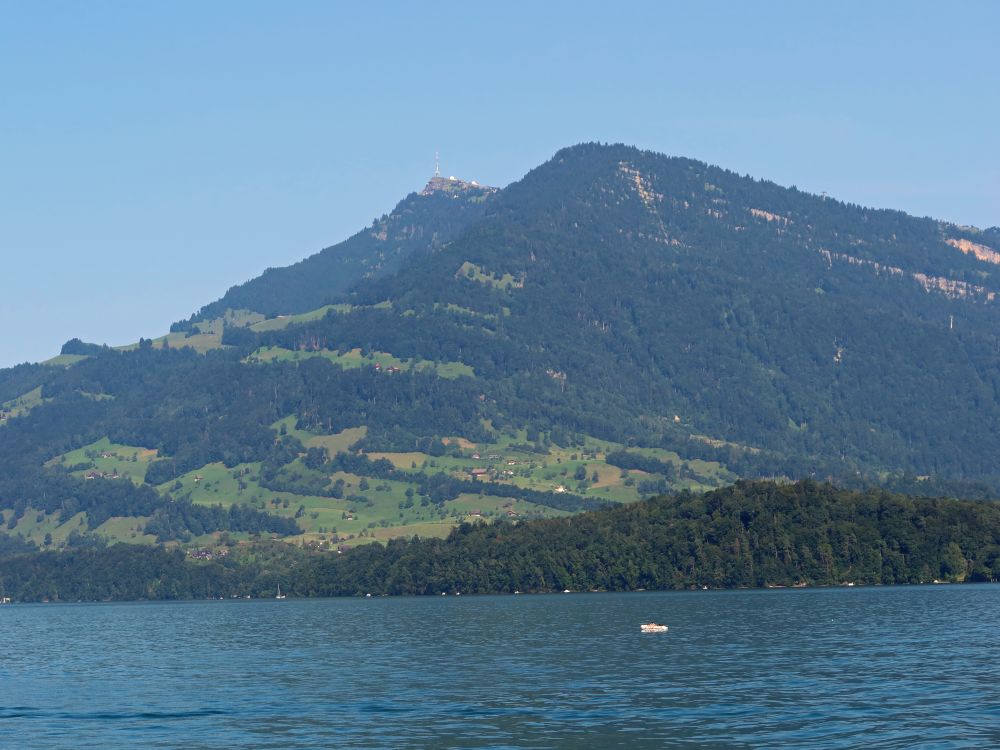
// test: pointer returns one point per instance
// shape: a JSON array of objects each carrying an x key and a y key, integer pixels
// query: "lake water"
[{"x": 906, "y": 667}]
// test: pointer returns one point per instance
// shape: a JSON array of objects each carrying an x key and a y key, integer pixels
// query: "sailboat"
[{"x": 279, "y": 595}]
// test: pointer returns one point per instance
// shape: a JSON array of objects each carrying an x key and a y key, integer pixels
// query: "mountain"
[
  {"x": 615, "y": 325},
  {"x": 420, "y": 221},
  {"x": 662, "y": 298}
]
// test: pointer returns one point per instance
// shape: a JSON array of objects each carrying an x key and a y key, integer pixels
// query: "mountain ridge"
[
  {"x": 422, "y": 219},
  {"x": 378, "y": 262},
  {"x": 616, "y": 324}
]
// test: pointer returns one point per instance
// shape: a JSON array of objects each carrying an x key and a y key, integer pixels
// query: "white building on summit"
[{"x": 450, "y": 184}]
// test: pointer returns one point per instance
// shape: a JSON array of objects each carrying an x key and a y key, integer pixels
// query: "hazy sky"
[{"x": 154, "y": 154}]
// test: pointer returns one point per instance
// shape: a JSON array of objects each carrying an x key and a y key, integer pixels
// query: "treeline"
[
  {"x": 437, "y": 488},
  {"x": 127, "y": 572},
  {"x": 441, "y": 487},
  {"x": 51, "y": 491},
  {"x": 79, "y": 347},
  {"x": 633, "y": 460},
  {"x": 121, "y": 572},
  {"x": 182, "y": 520},
  {"x": 18, "y": 380},
  {"x": 753, "y": 534}
]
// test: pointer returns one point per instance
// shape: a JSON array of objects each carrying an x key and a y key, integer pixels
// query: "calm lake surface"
[{"x": 906, "y": 667}]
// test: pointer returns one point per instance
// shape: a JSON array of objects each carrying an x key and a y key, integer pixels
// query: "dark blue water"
[{"x": 908, "y": 667}]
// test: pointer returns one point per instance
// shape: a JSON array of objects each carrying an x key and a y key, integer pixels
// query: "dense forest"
[
  {"x": 124, "y": 572},
  {"x": 753, "y": 534}
]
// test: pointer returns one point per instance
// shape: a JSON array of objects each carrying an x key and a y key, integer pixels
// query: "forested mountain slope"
[
  {"x": 616, "y": 324},
  {"x": 421, "y": 220},
  {"x": 625, "y": 293}
]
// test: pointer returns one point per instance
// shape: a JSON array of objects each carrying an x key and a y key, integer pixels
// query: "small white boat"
[
  {"x": 279, "y": 594},
  {"x": 652, "y": 627}
]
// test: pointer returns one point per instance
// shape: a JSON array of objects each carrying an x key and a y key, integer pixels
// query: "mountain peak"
[{"x": 439, "y": 184}]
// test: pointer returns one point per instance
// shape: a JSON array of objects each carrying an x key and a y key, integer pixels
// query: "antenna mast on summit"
[{"x": 437, "y": 164}]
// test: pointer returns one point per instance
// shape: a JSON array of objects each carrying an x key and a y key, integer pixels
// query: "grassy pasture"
[
  {"x": 376, "y": 506},
  {"x": 560, "y": 466},
  {"x": 204, "y": 335},
  {"x": 542, "y": 472},
  {"x": 200, "y": 342},
  {"x": 353, "y": 359},
  {"x": 381, "y": 510},
  {"x": 108, "y": 458},
  {"x": 286, "y": 426},
  {"x": 402, "y": 461},
  {"x": 283, "y": 321},
  {"x": 216, "y": 484},
  {"x": 126, "y": 529},
  {"x": 24, "y": 403},
  {"x": 64, "y": 360},
  {"x": 490, "y": 506},
  {"x": 240, "y": 318},
  {"x": 34, "y": 525},
  {"x": 334, "y": 444},
  {"x": 452, "y": 307},
  {"x": 432, "y": 529},
  {"x": 475, "y": 273},
  {"x": 338, "y": 443}
]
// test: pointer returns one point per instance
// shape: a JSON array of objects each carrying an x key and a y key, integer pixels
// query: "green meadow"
[
  {"x": 475, "y": 273},
  {"x": 339, "y": 443},
  {"x": 372, "y": 508},
  {"x": 49, "y": 531},
  {"x": 369, "y": 504},
  {"x": 283, "y": 321},
  {"x": 21, "y": 405},
  {"x": 354, "y": 358},
  {"x": 125, "y": 529},
  {"x": 40, "y": 527},
  {"x": 64, "y": 360},
  {"x": 108, "y": 459}
]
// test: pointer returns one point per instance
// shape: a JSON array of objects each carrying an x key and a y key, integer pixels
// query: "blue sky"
[{"x": 154, "y": 154}]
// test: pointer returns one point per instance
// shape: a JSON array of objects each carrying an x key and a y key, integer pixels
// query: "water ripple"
[{"x": 909, "y": 667}]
